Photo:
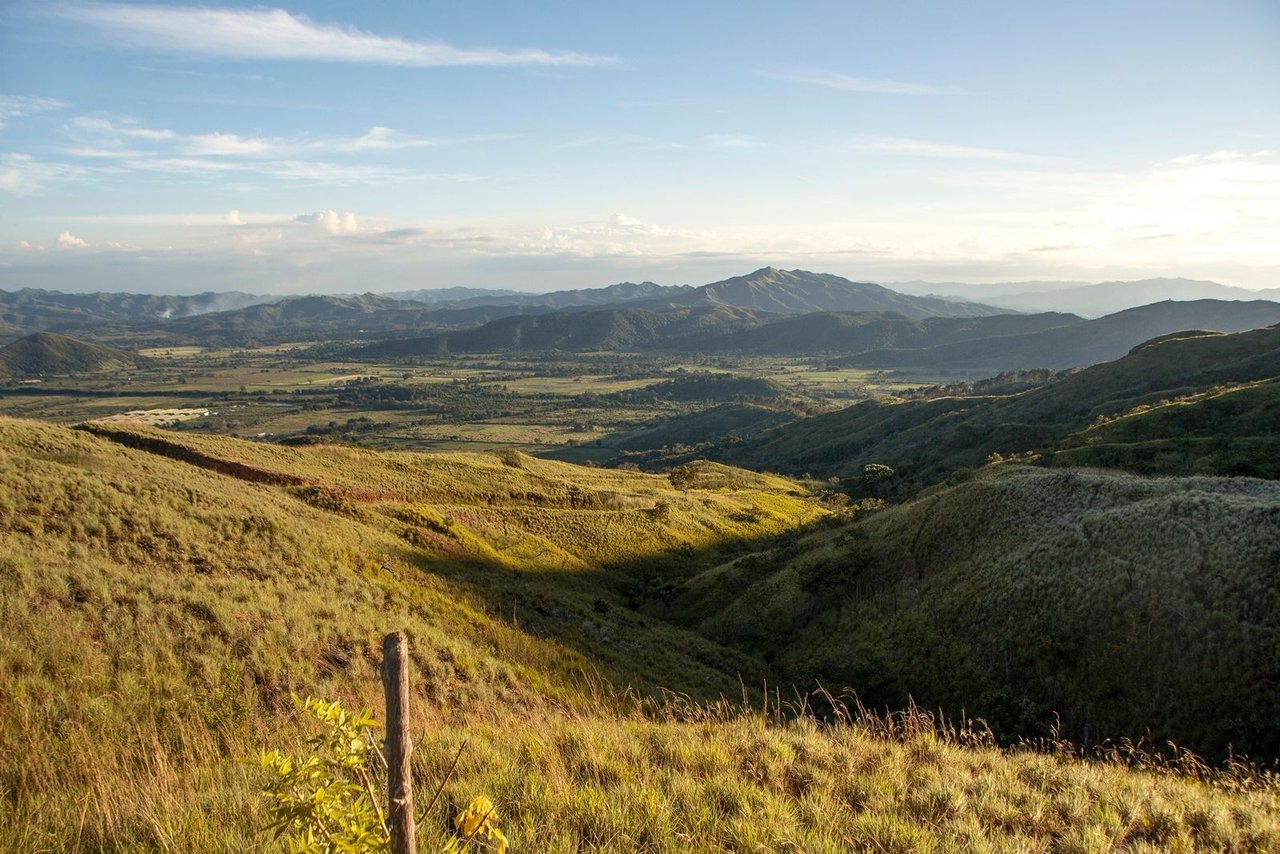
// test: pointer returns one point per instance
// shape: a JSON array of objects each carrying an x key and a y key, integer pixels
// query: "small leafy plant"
[
  {"x": 328, "y": 803},
  {"x": 325, "y": 803}
]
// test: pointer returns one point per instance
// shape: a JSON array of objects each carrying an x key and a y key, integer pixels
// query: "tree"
[
  {"x": 682, "y": 477},
  {"x": 875, "y": 473}
]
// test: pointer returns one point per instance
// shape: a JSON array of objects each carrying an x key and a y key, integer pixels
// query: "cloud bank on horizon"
[{"x": 194, "y": 147}]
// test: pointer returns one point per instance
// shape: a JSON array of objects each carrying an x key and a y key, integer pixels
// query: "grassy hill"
[
  {"x": 1121, "y": 604},
  {"x": 926, "y": 440},
  {"x": 162, "y": 595},
  {"x": 49, "y": 354}
]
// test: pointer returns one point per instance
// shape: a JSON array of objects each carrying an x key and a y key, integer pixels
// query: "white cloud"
[
  {"x": 375, "y": 139},
  {"x": 923, "y": 148},
  {"x": 18, "y": 106},
  {"x": 233, "y": 218},
  {"x": 220, "y": 144},
  {"x": 864, "y": 85},
  {"x": 278, "y": 34},
  {"x": 180, "y": 165},
  {"x": 332, "y": 222},
  {"x": 90, "y": 152},
  {"x": 386, "y": 139},
  {"x": 101, "y": 137},
  {"x": 67, "y": 240}
]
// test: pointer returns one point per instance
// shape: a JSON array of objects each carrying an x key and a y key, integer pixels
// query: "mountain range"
[
  {"x": 1087, "y": 299},
  {"x": 870, "y": 339},
  {"x": 250, "y": 320},
  {"x": 32, "y": 310}
]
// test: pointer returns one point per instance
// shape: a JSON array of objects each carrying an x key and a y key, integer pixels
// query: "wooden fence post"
[{"x": 395, "y": 683}]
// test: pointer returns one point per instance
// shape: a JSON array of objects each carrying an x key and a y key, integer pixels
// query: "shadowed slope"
[
  {"x": 1125, "y": 605},
  {"x": 49, "y": 354}
]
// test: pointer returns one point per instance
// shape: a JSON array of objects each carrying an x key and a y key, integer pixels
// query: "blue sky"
[{"x": 340, "y": 147}]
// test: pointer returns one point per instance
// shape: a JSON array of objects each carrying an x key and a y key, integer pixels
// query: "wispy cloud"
[
  {"x": 23, "y": 175},
  {"x": 864, "y": 85},
  {"x": 277, "y": 34},
  {"x": 16, "y": 106},
  {"x": 924, "y": 148},
  {"x": 100, "y": 136}
]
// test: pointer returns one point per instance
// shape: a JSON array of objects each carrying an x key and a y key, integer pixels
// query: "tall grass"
[{"x": 156, "y": 617}]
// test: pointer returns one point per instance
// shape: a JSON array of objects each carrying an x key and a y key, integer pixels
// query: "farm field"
[{"x": 537, "y": 404}]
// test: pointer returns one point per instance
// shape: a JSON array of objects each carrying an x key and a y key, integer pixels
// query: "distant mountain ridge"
[
  {"x": 768, "y": 289},
  {"x": 455, "y": 294},
  {"x": 744, "y": 301},
  {"x": 1081, "y": 344},
  {"x": 1087, "y": 299},
  {"x": 853, "y": 339},
  {"x": 34, "y": 310},
  {"x": 802, "y": 292}
]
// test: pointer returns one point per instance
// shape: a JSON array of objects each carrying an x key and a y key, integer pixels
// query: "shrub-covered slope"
[{"x": 1123, "y": 604}]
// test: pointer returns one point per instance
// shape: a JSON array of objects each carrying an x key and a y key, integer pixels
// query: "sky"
[{"x": 340, "y": 147}]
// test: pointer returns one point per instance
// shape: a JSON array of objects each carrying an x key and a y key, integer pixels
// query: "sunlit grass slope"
[
  {"x": 156, "y": 606},
  {"x": 160, "y": 603},
  {"x": 1127, "y": 605}
]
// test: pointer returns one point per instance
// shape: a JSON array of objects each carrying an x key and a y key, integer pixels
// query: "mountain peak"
[{"x": 803, "y": 292}]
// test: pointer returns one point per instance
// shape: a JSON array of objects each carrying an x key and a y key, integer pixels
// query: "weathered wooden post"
[{"x": 395, "y": 683}]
